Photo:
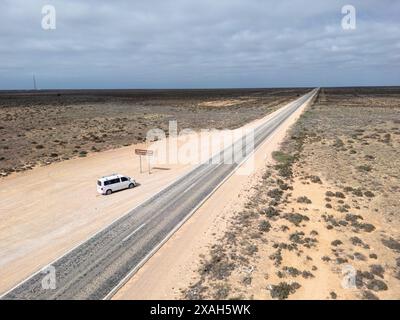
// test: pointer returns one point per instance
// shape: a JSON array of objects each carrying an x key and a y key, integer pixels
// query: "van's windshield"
[{"x": 99, "y": 182}]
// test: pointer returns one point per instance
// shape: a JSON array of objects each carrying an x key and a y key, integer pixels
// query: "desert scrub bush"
[
  {"x": 250, "y": 249},
  {"x": 367, "y": 227},
  {"x": 270, "y": 212},
  {"x": 356, "y": 241},
  {"x": 340, "y": 195},
  {"x": 218, "y": 266},
  {"x": 358, "y": 192},
  {"x": 283, "y": 290},
  {"x": 275, "y": 194},
  {"x": 276, "y": 257},
  {"x": 284, "y": 163},
  {"x": 329, "y": 194},
  {"x": 377, "y": 285},
  {"x": 304, "y": 199},
  {"x": 364, "y": 168},
  {"x": 377, "y": 270},
  {"x": 315, "y": 179},
  {"x": 296, "y": 218},
  {"x": 221, "y": 291},
  {"x": 353, "y": 217},
  {"x": 195, "y": 291},
  {"x": 369, "y": 194},
  {"x": 338, "y": 143},
  {"x": 264, "y": 226},
  {"x": 368, "y": 295},
  {"x": 307, "y": 274},
  {"x": 282, "y": 185},
  {"x": 391, "y": 244},
  {"x": 336, "y": 243}
]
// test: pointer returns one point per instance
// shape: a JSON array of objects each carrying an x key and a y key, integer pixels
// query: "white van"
[{"x": 114, "y": 182}]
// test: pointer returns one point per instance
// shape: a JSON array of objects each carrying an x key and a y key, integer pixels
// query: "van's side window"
[
  {"x": 123, "y": 179},
  {"x": 114, "y": 181},
  {"x": 106, "y": 183}
]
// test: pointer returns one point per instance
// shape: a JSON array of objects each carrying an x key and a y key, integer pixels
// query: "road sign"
[{"x": 144, "y": 152}]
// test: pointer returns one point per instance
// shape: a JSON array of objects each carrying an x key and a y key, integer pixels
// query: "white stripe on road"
[{"x": 133, "y": 232}]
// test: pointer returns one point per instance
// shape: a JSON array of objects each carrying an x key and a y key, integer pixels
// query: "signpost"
[{"x": 144, "y": 152}]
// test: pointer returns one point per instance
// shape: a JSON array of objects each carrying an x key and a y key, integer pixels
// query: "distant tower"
[{"x": 34, "y": 83}]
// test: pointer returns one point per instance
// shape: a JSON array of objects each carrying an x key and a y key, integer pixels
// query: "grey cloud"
[{"x": 185, "y": 43}]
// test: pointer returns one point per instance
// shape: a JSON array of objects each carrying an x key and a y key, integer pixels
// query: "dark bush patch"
[
  {"x": 356, "y": 241},
  {"x": 329, "y": 194},
  {"x": 303, "y": 199},
  {"x": 367, "y": 227},
  {"x": 307, "y": 274},
  {"x": 218, "y": 266},
  {"x": 353, "y": 217},
  {"x": 391, "y": 244},
  {"x": 277, "y": 257},
  {"x": 283, "y": 290},
  {"x": 336, "y": 243},
  {"x": 271, "y": 212},
  {"x": 264, "y": 226},
  {"x": 348, "y": 189},
  {"x": 315, "y": 179},
  {"x": 377, "y": 270},
  {"x": 338, "y": 143},
  {"x": 359, "y": 256},
  {"x": 364, "y": 168},
  {"x": 296, "y": 218},
  {"x": 368, "y": 295},
  {"x": 358, "y": 192},
  {"x": 377, "y": 285},
  {"x": 276, "y": 194},
  {"x": 284, "y": 165},
  {"x": 369, "y": 194},
  {"x": 294, "y": 272},
  {"x": 340, "y": 195},
  {"x": 341, "y": 260},
  {"x": 221, "y": 291}
]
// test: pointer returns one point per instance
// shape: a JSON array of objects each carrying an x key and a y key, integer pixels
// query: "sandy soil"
[{"x": 174, "y": 266}]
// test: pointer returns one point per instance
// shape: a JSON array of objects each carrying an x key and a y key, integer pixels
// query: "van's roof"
[{"x": 112, "y": 176}]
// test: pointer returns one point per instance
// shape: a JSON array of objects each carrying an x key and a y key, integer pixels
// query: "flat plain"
[{"x": 43, "y": 127}]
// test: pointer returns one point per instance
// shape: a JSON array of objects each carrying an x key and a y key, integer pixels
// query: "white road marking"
[{"x": 133, "y": 232}]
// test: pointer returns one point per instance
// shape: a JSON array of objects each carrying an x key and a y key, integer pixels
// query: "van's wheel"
[
  {"x": 131, "y": 185},
  {"x": 108, "y": 192}
]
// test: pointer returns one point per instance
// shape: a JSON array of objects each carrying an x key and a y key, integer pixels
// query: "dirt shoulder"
[{"x": 323, "y": 221}]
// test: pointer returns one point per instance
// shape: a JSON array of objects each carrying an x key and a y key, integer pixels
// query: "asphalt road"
[{"x": 97, "y": 267}]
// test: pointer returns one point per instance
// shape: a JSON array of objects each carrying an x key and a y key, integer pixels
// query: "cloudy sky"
[{"x": 198, "y": 44}]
